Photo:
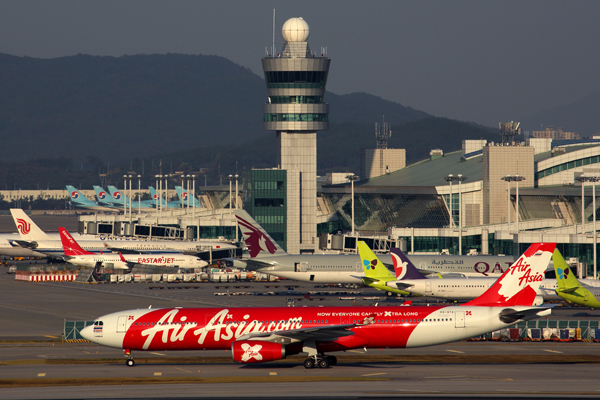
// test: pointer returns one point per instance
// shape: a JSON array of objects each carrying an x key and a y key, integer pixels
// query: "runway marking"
[
  {"x": 184, "y": 370},
  {"x": 53, "y": 337},
  {"x": 272, "y": 373},
  {"x": 553, "y": 351},
  {"x": 446, "y": 376},
  {"x": 86, "y": 352},
  {"x": 42, "y": 374},
  {"x": 157, "y": 373},
  {"x": 379, "y": 373},
  {"x": 456, "y": 351},
  {"x": 357, "y": 351},
  {"x": 158, "y": 354},
  {"x": 421, "y": 391}
]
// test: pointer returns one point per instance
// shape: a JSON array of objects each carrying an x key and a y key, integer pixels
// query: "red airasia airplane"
[{"x": 271, "y": 333}]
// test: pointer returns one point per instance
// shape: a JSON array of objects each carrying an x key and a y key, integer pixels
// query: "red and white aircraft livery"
[
  {"x": 266, "y": 334},
  {"x": 74, "y": 254}
]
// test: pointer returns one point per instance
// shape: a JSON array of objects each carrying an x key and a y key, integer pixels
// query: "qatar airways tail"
[{"x": 259, "y": 334}]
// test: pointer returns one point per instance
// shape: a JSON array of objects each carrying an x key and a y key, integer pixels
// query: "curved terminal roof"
[{"x": 430, "y": 172}]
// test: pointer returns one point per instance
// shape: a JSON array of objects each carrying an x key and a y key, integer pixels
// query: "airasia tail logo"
[
  {"x": 251, "y": 352},
  {"x": 255, "y": 239},
  {"x": 523, "y": 268},
  {"x": 23, "y": 226}
]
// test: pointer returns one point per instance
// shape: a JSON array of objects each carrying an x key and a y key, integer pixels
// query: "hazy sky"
[{"x": 482, "y": 61}]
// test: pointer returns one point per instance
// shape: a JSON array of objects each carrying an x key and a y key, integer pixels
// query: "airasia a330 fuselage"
[{"x": 219, "y": 328}]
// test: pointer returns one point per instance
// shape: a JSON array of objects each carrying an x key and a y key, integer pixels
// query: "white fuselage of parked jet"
[{"x": 114, "y": 261}]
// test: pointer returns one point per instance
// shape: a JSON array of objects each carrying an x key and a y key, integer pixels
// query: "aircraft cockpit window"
[{"x": 98, "y": 323}]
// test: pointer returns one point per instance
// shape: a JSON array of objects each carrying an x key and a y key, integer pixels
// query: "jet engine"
[{"x": 255, "y": 351}]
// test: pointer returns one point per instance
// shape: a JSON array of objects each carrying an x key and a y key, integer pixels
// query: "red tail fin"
[
  {"x": 517, "y": 286},
  {"x": 70, "y": 246}
]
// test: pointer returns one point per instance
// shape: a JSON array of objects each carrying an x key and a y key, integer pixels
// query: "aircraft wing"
[
  {"x": 124, "y": 251},
  {"x": 253, "y": 265},
  {"x": 403, "y": 286},
  {"x": 321, "y": 333},
  {"x": 570, "y": 290}
]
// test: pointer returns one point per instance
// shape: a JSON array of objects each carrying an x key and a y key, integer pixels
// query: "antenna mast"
[
  {"x": 509, "y": 130},
  {"x": 273, "y": 48},
  {"x": 383, "y": 133}
]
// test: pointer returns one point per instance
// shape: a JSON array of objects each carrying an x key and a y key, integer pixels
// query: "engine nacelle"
[{"x": 255, "y": 351}]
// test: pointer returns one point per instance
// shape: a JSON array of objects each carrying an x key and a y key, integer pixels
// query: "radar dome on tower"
[{"x": 295, "y": 30}]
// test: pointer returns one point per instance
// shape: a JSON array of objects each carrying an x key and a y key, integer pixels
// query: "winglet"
[
  {"x": 519, "y": 284},
  {"x": 122, "y": 258}
]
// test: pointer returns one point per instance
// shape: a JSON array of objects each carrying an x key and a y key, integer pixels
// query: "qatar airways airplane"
[
  {"x": 268, "y": 257},
  {"x": 262, "y": 334},
  {"x": 75, "y": 255}
]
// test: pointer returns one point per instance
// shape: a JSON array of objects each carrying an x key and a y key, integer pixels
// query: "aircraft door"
[
  {"x": 303, "y": 266},
  {"x": 459, "y": 319},
  {"x": 121, "y": 324},
  {"x": 428, "y": 286},
  {"x": 359, "y": 267}
]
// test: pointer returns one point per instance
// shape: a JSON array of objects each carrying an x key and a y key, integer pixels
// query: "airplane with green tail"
[{"x": 569, "y": 288}]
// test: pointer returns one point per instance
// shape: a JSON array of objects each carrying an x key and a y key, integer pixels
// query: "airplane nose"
[{"x": 88, "y": 333}]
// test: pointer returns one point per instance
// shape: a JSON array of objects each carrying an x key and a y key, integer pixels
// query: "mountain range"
[{"x": 192, "y": 112}]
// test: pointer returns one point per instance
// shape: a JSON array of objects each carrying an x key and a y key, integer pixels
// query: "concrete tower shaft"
[{"x": 296, "y": 81}]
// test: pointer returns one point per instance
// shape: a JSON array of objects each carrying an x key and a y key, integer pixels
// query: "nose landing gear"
[{"x": 129, "y": 362}]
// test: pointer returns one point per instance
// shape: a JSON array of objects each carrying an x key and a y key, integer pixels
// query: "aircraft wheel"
[
  {"x": 309, "y": 363},
  {"x": 332, "y": 360},
  {"x": 130, "y": 362},
  {"x": 324, "y": 362},
  {"x": 389, "y": 294}
]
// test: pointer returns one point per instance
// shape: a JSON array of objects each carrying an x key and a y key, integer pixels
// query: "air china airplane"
[
  {"x": 75, "y": 255},
  {"x": 262, "y": 334},
  {"x": 268, "y": 257},
  {"x": 35, "y": 240}
]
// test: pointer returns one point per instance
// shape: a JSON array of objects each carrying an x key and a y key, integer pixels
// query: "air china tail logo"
[
  {"x": 117, "y": 195},
  {"x": 23, "y": 226},
  {"x": 251, "y": 352},
  {"x": 255, "y": 239},
  {"x": 399, "y": 266},
  {"x": 74, "y": 195}
]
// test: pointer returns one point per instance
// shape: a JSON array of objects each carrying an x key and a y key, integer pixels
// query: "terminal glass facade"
[{"x": 268, "y": 202}]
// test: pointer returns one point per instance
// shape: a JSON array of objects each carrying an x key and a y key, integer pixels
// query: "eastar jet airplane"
[
  {"x": 268, "y": 257},
  {"x": 79, "y": 200},
  {"x": 271, "y": 333},
  {"x": 75, "y": 255},
  {"x": 571, "y": 289},
  {"x": 37, "y": 241}
]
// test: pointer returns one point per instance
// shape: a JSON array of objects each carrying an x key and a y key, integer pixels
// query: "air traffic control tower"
[{"x": 296, "y": 80}]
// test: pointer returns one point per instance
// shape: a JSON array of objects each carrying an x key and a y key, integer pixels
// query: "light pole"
[
  {"x": 194, "y": 196},
  {"x": 458, "y": 178},
  {"x": 158, "y": 179},
  {"x": 124, "y": 195},
  {"x": 139, "y": 196},
  {"x": 237, "y": 178},
  {"x": 129, "y": 177},
  {"x": 230, "y": 179},
  {"x": 352, "y": 178},
  {"x": 592, "y": 179},
  {"x": 513, "y": 178},
  {"x": 449, "y": 179}
]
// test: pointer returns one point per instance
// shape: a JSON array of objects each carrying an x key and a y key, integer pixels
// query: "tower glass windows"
[
  {"x": 296, "y": 117},
  {"x": 296, "y": 99},
  {"x": 268, "y": 203}
]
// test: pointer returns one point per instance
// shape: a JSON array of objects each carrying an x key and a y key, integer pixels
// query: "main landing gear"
[
  {"x": 320, "y": 360},
  {"x": 129, "y": 362}
]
